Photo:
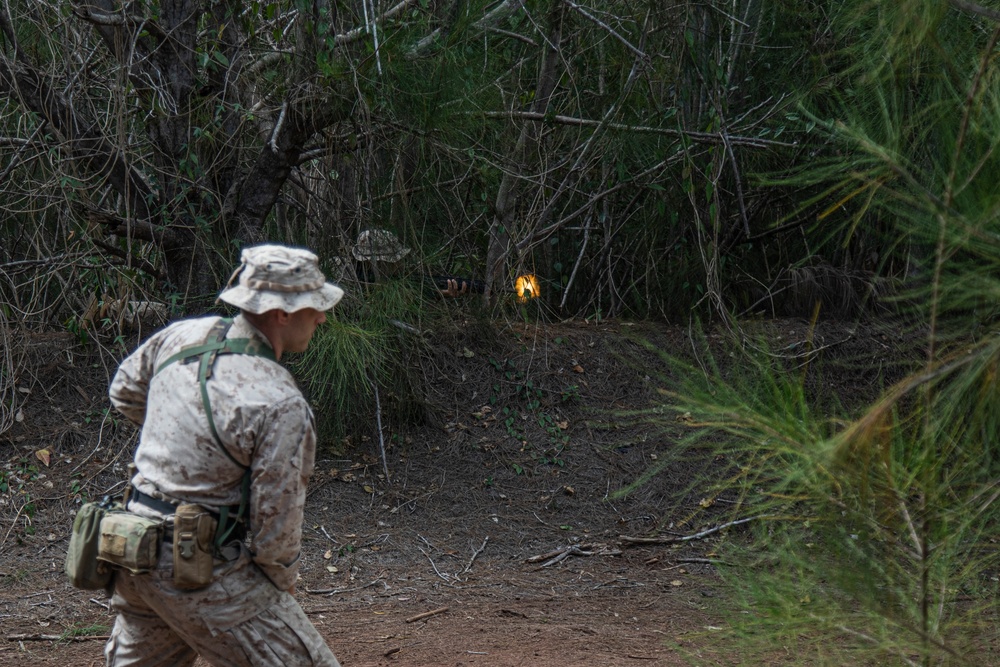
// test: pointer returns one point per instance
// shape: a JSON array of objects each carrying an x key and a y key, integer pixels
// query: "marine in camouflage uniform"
[
  {"x": 378, "y": 254},
  {"x": 247, "y": 615}
]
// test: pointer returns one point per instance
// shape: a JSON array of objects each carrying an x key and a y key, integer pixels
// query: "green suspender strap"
[{"x": 215, "y": 344}]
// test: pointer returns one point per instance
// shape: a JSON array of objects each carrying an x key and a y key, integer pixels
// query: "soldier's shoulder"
[
  {"x": 189, "y": 331},
  {"x": 257, "y": 375}
]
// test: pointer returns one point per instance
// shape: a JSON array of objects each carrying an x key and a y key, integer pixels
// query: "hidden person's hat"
[{"x": 379, "y": 245}]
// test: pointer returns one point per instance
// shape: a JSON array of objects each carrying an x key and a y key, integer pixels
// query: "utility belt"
[
  {"x": 237, "y": 529},
  {"x": 106, "y": 537}
]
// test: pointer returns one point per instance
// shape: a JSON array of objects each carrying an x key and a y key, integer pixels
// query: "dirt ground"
[{"x": 495, "y": 540}]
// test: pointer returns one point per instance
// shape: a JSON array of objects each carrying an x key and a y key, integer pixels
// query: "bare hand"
[{"x": 453, "y": 290}]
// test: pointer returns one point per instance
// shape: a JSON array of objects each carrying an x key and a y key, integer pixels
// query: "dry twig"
[
  {"x": 55, "y": 638},
  {"x": 426, "y": 614},
  {"x": 335, "y": 591},
  {"x": 629, "y": 541},
  {"x": 475, "y": 554},
  {"x": 553, "y": 557},
  {"x": 446, "y": 577}
]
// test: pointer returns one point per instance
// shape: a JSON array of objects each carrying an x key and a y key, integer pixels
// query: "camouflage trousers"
[{"x": 238, "y": 620}]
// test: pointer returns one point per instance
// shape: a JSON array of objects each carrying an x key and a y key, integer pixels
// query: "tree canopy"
[{"x": 609, "y": 147}]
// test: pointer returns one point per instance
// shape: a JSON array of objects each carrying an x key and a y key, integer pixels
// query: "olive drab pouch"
[
  {"x": 194, "y": 530},
  {"x": 130, "y": 541},
  {"x": 82, "y": 567}
]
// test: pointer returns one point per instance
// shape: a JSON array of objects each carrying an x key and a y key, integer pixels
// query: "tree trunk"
[{"x": 506, "y": 205}]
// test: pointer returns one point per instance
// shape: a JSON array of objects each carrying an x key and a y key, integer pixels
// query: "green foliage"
[
  {"x": 875, "y": 537},
  {"x": 364, "y": 344},
  {"x": 338, "y": 369},
  {"x": 874, "y": 533},
  {"x": 612, "y": 150}
]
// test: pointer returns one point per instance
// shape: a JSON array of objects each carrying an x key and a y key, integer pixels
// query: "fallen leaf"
[
  {"x": 19, "y": 417},
  {"x": 706, "y": 502},
  {"x": 43, "y": 455},
  {"x": 331, "y": 569},
  {"x": 563, "y": 425},
  {"x": 676, "y": 582},
  {"x": 328, "y": 555},
  {"x": 578, "y": 368},
  {"x": 368, "y": 489}
]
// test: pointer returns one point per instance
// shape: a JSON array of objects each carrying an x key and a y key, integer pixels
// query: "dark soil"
[{"x": 498, "y": 474}]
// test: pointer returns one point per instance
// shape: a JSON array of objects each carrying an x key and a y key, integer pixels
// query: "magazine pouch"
[
  {"x": 194, "y": 530},
  {"x": 130, "y": 541}
]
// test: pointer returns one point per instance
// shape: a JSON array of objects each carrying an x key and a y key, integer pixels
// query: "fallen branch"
[
  {"x": 629, "y": 541},
  {"x": 445, "y": 577},
  {"x": 56, "y": 638},
  {"x": 553, "y": 557},
  {"x": 706, "y": 561},
  {"x": 476, "y": 554},
  {"x": 426, "y": 614},
  {"x": 335, "y": 591}
]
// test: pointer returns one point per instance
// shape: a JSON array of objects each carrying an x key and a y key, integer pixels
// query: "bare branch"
[
  {"x": 499, "y": 13},
  {"x": 98, "y": 17},
  {"x": 605, "y": 26},
  {"x": 359, "y": 32},
  {"x": 81, "y": 139},
  {"x": 700, "y": 137},
  {"x": 513, "y": 35},
  {"x": 974, "y": 8},
  {"x": 628, "y": 541},
  {"x": 549, "y": 230}
]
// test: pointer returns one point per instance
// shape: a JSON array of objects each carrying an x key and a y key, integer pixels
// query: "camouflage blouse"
[{"x": 261, "y": 418}]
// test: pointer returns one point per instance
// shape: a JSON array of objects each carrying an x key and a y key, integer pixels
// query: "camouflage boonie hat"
[
  {"x": 275, "y": 277},
  {"x": 379, "y": 245}
]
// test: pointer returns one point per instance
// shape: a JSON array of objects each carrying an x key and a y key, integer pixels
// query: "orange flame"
[{"x": 526, "y": 287}]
